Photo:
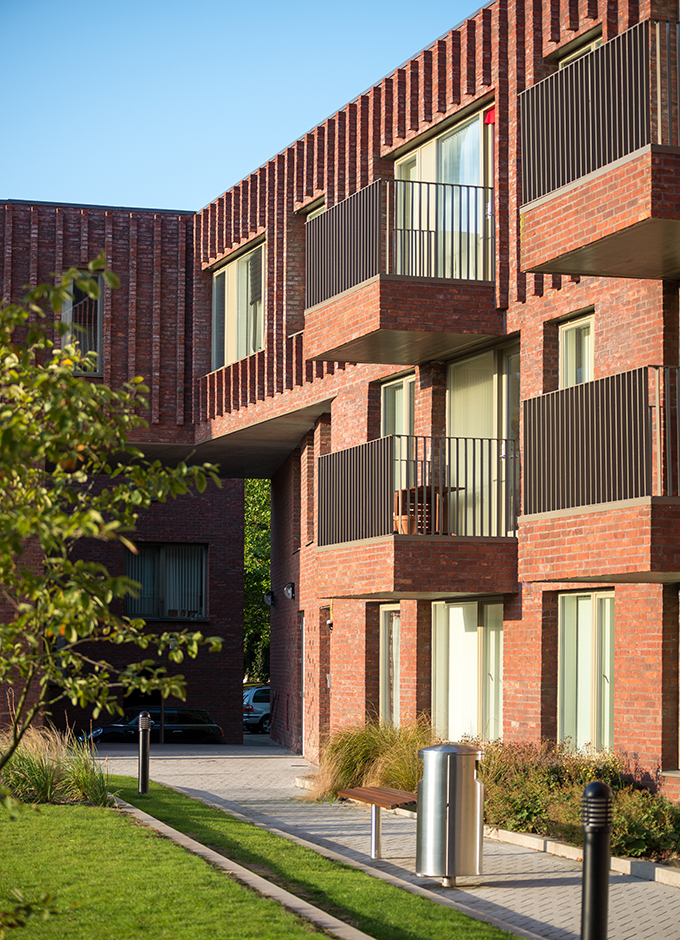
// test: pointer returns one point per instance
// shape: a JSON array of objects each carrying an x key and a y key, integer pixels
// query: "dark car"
[
  {"x": 256, "y": 717},
  {"x": 182, "y": 726}
]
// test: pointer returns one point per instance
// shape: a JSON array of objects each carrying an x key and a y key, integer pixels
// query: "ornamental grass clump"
[
  {"x": 49, "y": 767},
  {"x": 373, "y": 754}
]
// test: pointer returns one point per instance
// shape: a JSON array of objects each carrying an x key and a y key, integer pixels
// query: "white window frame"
[
  {"x": 166, "y": 581},
  {"x": 422, "y": 162},
  {"x": 570, "y": 326},
  {"x": 580, "y": 51},
  {"x": 595, "y": 655},
  {"x": 238, "y": 331},
  {"x": 488, "y": 706},
  {"x": 74, "y": 336},
  {"x": 390, "y": 664},
  {"x": 408, "y": 386}
]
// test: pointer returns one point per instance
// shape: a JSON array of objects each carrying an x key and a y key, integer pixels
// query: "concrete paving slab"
[{"x": 527, "y": 890}]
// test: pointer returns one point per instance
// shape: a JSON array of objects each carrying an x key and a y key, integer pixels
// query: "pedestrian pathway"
[{"x": 531, "y": 893}]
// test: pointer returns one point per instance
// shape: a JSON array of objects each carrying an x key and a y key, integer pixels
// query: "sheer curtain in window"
[
  {"x": 184, "y": 580},
  {"x": 143, "y": 568}
]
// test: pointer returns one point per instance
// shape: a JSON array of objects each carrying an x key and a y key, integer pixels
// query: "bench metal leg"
[{"x": 376, "y": 832}]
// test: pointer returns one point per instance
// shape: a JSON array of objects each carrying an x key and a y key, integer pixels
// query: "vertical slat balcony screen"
[
  {"x": 355, "y": 492},
  {"x": 588, "y": 444},
  {"x": 590, "y": 113},
  {"x": 343, "y": 245},
  {"x": 402, "y": 227},
  {"x": 422, "y": 486}
]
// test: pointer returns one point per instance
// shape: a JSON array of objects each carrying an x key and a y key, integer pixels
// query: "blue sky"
[{"x": 167, "y": 104}]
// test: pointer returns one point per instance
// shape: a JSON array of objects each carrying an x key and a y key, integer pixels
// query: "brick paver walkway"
[{"x": 527, "y": 890}]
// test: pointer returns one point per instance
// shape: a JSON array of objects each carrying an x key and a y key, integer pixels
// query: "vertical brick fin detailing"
[
  {"x": 633, "y": 13},
  {"x": 351, "y": 150},
  {"x": 280, "y": 272},
  {"x": 299, "y": 359},
  {"x": 455, "y": 68},
  {"x": 181, "y": 318},
  {"x": 425, "y": 112},
  {"x": 300, "y": 170},
  {"x": 219, "y": 235},
  {"x": 487, "y": 44},
  {"x": 156, "y": 320},
  {"x": 245, "y": 205},
  {"x": 556, "y": 280},
  {"x": 611, "y": 24},
  {"x": 7, "y": 267},
  {"x": 439, "y": 94},
  {"x": 254, "y": 202},
  {"x": 227, "y": 390},
  {"x": 203, "y": 222},
  {"x": 502, "y": 193},
  {"x": 340, "y": 156},
  {"x": 262, "y": 197},
  {"x": 132, "y": 300},
  {"x": 470, "y": 57},
  {"x": 58, "y": 244},
  {"x": 320, "y": 158},
  {"x": 375, "y": 119},
  {"x": 592, "y": 10},
  {"x": 236, "y": 215},
  {"x": 212, "y": 232},
  {"x": 33, "y": 253},
  {"x": 517, "y": 52},
  {"x": 554, "y": 20},
  {"x": 269, "y": 279},
  {"x": 573, "y": 15},
  {"x": 538, "y": 285},
  {"x": 388, "y": 113},
  {"x": 106, "y": 352},
  {"x": 329, "y": 165},
  {"x": 309, "y": 164},
  {"x": 364, "y": 149},
  {"x": 400, "y": 103},
  {"x": 228, "y": 236},
  {"x": 413, "y": 95},
  {"x": 84, "y": 244},
  {"x": 260, "y": 375}
]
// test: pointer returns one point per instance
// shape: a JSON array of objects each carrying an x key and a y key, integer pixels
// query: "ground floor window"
[
  {"x": 172, "y": 579},
  {"x": 467, "y": 669},
  {"x": 585, "y": 713},
  {"x": 389, "y": 665}
]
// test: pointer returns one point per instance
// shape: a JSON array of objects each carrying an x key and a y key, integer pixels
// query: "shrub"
[{"x": 49, "y": 767}]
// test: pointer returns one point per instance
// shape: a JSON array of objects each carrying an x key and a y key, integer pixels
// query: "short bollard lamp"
[
  {"x": 144, "y": 742},
  {"x": 596, "y": 816}
]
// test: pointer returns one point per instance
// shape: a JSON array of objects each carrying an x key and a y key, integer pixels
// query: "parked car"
[
  {"x": 182, "y": 726},
  {"x": 256, "y": 715}
]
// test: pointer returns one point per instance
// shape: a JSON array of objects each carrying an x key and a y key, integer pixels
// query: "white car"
[{"x": 256, "y": 717}]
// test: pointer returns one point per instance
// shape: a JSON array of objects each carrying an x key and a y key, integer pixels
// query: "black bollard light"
[
  {"x": 144, "y": 742},
  {"x": 596, "y": 816}
]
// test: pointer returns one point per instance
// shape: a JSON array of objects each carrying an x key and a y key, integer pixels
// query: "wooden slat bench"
[{"x": 378, "y": 798}]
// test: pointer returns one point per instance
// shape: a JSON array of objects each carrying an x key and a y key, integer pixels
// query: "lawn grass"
[
  {"x": 127, "y": 882},
  {"x": 382, "y": 910}
]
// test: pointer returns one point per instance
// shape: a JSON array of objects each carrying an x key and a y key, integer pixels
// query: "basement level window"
[{"x": 172, "y": 581}]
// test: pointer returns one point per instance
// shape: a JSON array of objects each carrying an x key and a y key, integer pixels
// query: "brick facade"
[{"x": 315, "y": 388}]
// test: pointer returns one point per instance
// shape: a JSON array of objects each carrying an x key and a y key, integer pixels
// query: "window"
[
  {"x": 83, "y": 315},
  {"x": 172, "y": 579},
  {"x": 576, "y": 352},
  {"x": 398, "y": 407},
  {"x": 467, "y": 669},
  {"x": 238, "y": 309},
  {"x": 585, "y": 714},
  {"x": 389, "y": 665},
  {"x": 582, "y": 50}
]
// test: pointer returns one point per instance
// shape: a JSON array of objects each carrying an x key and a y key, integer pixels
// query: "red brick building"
[{"x": 445, "y": 323}]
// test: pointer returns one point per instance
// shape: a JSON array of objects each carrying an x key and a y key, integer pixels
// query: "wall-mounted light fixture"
[
  {"x": 289, "y": 591},
  {"x": 269, "y": 598}
]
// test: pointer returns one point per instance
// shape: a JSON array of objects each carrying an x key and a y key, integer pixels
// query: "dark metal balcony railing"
[
  {"x": 604, "y": 106},
  {"x": 413, "y": 485},
  {"x": 612, "y": 439},
  {"x": 402, "y": 227}
]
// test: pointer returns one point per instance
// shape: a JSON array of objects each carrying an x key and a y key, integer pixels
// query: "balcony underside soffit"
[
  {"x": 626, "y": 577},
  {"x": 256, "y": 451},
  {"x": 401, "y": 347},
  {"x": 649, "y": 249}
]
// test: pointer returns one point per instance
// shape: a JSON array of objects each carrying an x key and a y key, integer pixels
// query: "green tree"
[
  {"x": 68, "y": 473},
  {"x": 256, "y": 579}
]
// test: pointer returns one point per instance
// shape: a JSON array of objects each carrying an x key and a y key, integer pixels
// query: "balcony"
[
  {"x": 401, "y": 272},
  {"x": 600, "y": 158},
  {"x": 418, "y": 516},
  {"x": 601, "y": 483}
]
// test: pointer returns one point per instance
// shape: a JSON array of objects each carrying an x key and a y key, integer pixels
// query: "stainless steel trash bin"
[{"x": 450, "y": 826}]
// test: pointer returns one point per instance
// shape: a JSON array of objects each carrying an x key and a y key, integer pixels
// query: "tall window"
[
  {"x": 172, "y": 579},
  {"x": 83, "y": 315},
  {"x": 576, "y": 352},
  {"x": 585, "y": 714},
  {"x": 467, "y": 669},
  {"x": 389, "y": 665},
  {"x": 398, "y": 417},
  {"x": 238, "y": 309}
]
